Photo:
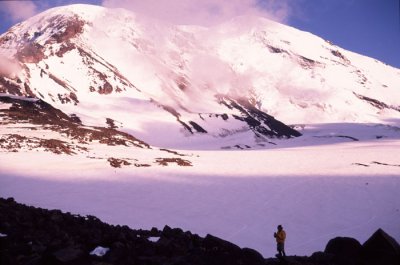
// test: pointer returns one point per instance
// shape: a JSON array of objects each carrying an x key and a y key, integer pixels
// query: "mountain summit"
[{"x": 245, "y": 81}]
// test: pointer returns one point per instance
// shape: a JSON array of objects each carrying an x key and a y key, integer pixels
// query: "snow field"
[{"x": 315, "y": 192}]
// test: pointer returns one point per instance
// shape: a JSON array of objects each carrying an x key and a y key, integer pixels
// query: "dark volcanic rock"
[
  {"x": 381, "y": 248},
  {"x": 345, "y": 250},
  {"x": 250, "y": 256},
  {"x": 68, "y": 254},
  {"x": 30, "y": 53},
  {"x": 258, "y": 121},
  {"x": 37, "y": 236},
  {"x": 39, "y": 112}
]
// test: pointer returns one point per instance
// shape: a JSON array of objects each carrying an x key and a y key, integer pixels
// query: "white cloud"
[
  {"x": 8, "y": 67},
  {"x": 18, "y": 10},
  {"x": 205, "y": 12}
]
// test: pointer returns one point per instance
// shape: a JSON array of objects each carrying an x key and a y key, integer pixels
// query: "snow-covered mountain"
[
  {"x": 180, "y": 86},
  {"x": 87, "y": 90}
]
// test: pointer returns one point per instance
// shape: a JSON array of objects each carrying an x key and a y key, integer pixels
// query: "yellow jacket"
[{"x": 280, "y": 236}]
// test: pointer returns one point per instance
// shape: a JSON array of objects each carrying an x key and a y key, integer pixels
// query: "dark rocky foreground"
[{"x": 30, "y": 235}]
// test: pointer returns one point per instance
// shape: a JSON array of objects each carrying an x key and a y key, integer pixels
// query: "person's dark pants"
[{"x": 281, "y": 249}]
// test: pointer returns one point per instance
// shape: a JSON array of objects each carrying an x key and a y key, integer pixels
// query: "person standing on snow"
[{"x": 280, "y": 237}]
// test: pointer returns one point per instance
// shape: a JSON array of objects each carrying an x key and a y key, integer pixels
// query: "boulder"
[
  {"x": 213, "y": 243},
  {"x": 251, "y": 256},
  {"x": 381, "y": 248},
  {"x": 345, "y": 250}
]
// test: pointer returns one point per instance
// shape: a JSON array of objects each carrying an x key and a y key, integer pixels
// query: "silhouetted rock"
[
  {"x": 43, "y": 237},
  {"x": 345, "y": 250},
  {"x": 33, "y": 236},
  {"x": 381, "y": 248},
  {"x": 250, "y": 256}
]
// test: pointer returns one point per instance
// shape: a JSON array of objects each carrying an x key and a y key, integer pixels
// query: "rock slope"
[{"x": 32, "y": 125}]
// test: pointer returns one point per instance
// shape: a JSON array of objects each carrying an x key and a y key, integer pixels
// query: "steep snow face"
[
  {"x": 299, "y": 77},
  {"x": 154, "y": 78}
]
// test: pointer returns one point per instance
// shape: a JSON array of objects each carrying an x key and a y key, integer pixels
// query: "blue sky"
[{"x": 369, "y": 27}]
